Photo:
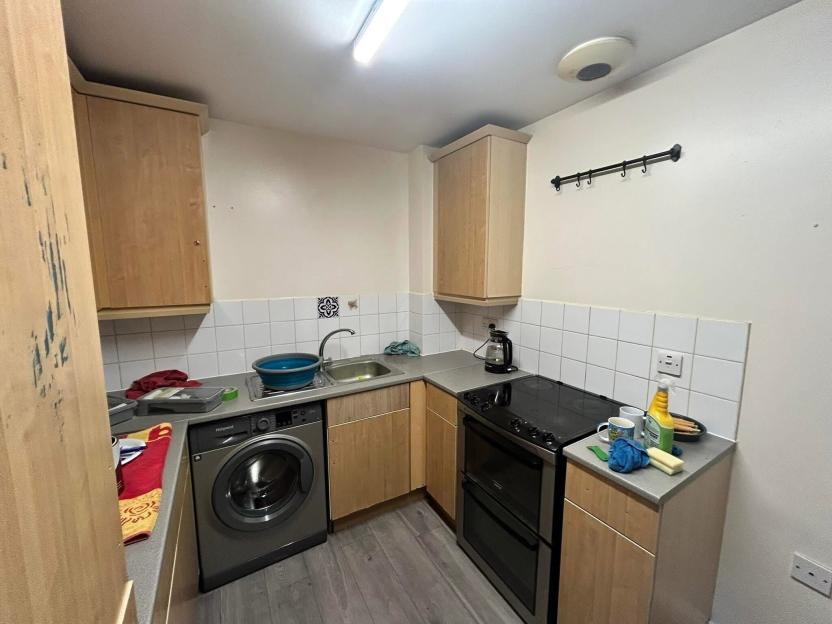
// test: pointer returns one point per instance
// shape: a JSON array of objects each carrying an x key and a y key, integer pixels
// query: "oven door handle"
[
  {"x": 500, "y": 516},
  {"x": 524, "y": 457}
]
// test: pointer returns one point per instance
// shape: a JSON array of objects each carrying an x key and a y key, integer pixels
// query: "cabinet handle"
[{"x": 197, "y": 243}]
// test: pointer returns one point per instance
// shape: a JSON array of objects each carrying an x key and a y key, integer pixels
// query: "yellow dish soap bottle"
[{"x": 658, "y": 429}]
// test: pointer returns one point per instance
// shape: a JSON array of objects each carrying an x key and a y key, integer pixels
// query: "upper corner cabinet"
[
  {"x": 479, "y": 201},
  {"x": 141, "y": 175}
]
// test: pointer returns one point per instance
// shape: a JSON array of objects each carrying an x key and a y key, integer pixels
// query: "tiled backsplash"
[{"x": 604, "y": 350}]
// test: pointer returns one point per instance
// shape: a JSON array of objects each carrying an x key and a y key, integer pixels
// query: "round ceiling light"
[{"x": 595, "y": 58}]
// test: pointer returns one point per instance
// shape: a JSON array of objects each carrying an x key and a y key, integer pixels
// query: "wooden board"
[
  {"x": 62, "y": 555},
  {"x": 461, "y": 221},
  {"x": 440, "y": 469},
  {"x": 150, "y": 205},
  {"x": 417, "y": 435},
  {"x": 128, "y": 313},
  {"x": 442, "y": 403},
  {"x": 604, "y": 577},
  {"x": 369, "y": 462},
  {"x": 622, "y": 510},
  {"x": 354, "y": 407},
  {"x": 690, "y": 540},
  {"x": 184, "y": 589}
]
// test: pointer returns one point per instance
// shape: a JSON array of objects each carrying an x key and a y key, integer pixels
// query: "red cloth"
[{"x": 160, "y": 379}]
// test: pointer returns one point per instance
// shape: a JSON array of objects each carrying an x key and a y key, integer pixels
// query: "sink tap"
[{"x": 327, "y": 337}]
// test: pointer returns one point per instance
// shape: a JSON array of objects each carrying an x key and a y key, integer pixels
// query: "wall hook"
[
  {"x": 588, "y": 182},
  {"x": 644, "y": 164},
  {"x": 623, "y": 168},
  {"x": 579, "y": 180}
]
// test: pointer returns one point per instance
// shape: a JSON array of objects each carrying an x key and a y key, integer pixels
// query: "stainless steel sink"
[{"x": 358, "y": 370}]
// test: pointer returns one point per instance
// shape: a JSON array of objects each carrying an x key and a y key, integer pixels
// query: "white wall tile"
[
  {"x": 430, "y": 344},
  {"x": 132, "y": 326},
  {"x": 574, "y": 346},
  {"x": 531, "y": 311},
  {"x": 306, "y": 308},
  {"x": 601, "y": 352},
  {"x": 552, "y": 314},
  {"x": 112, "y": 377},
  {"x": 290, "y": 347},
  {"x": 230, "y": 362},
  {"x": 332, "y": 349},
  {"x": 530, "y": 336},
  {"x": 576, "y": 318},
  {"x": 386, "y": 304},
  {"x": 430, "y": 324},
  {"x": 256, "y": 335},
  {"x": 630, "y": 390},
  {"x": 369, "y": 324},
  {"x": 202, "y": 365},
  {"x": 551, "y": 340},
  {"x": 446, "y": 323},
  {"x": 718, "y": 415},
  {"x": 229, "y": 337},
  {"x": 200, "y": 340},
  {"x": 369, "y": 304},
  {"x": 109, "y": 353},
  {"x": 416, "y": 322},
  {"x": 512, "y": 327},
  {"x": 255, "y": 311},
  {"x": 326, "y": 325},
  {"x": 106, "y": 328},
  {"x": 282, "y": 332},
  {"x": 350, "y": 346},
  {"x": 721, "y": 378},
  {"x": 344, "y": 308},
  {"x": 636, "y": 327},
  {"x": 166, "y": 323},
  {"x": 633, "y": 359},
  {"x": 305, "y": 330},
  {"x": 513, "y": 312},
  {"x": 387, "y": 322},
  {"x": 573, "y": 372},
  {"x": 604, "y": 322},
  {"x": 549, "y": 366},
  {"x": 370, "y": 344},
  {"x": 281, "y": 309},
  {"x": 677, "y": 398},
  {"x": 255, "y": 353},
  {"x": 169, "y": 343},
  {"x": 682, "y": 381},
  {"x": 403, "y": 302},
  {"x": 131, "y": 371},
  {"x": 228, "y": 313},
  {"x": 402, "y": 335},
  {"x": 402, "y": 321},
  {"x": 132, "y": 347},
  {"x": 176, "y": 362},
  {"x": 447, "y": 341},
  {"x": 351, "y": 322},
  {"x": 527, "y": 359},
  {"x": 599, "y": 380},
  {"x": 198, "y": 321},
  {"x": 430, "y": 305},
  {"x": 675, "y": 332},
  {"x": 310, "y": 346},
  {"x": 722, "y": 339}
]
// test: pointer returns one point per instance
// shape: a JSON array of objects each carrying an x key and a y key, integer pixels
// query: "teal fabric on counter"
[{"x": 405, "y": 347}]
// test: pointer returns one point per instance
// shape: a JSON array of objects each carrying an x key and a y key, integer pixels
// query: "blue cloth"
[
  {"x": 627, "y": 455},
  {"x": 405, "y": 347}
]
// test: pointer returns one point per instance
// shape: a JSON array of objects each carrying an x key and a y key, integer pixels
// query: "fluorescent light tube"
[{"x": 376, "y": 27}]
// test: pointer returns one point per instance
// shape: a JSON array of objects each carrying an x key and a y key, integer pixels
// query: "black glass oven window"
[
  {"x": 264, "y": 483},
  {"x": 511, "y": 551},
  {"x": 509, "y": 473}
]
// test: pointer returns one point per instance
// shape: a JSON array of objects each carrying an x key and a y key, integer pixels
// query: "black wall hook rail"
[{"x": 674, "y": 153}]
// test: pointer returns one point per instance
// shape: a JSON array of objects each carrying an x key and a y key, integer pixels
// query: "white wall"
[
  {"x": 292, "y": 214},
  {"x": 420, "y": 178},
  {"x": 739, "y": 228}
]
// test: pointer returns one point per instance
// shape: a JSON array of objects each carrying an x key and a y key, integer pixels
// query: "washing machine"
[{"x": 259, "y": 490}]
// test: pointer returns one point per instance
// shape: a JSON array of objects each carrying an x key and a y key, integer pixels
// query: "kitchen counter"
[
  {"x": 454, "y": 372},
  {"x": 651, "y": 483}
]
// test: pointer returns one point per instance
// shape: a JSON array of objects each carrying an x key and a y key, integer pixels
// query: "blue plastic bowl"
[{"x": 287, "y": 371}]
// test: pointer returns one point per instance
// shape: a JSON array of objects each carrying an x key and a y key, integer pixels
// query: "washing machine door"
[{"x": 263, "y": 483}]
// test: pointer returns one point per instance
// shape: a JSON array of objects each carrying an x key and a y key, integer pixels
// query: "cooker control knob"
[
  {"x": 263, "y": 424},
  {"x": 486, "y": 406},
  {"x": 515, "y": 424},
  {"x": 466, "y": 396},
  {"x": 548, "y": 438},
  {"x": 534, "y": 432}
]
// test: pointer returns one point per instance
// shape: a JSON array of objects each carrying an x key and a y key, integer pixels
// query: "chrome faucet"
[{"x": 327, "y": 337}]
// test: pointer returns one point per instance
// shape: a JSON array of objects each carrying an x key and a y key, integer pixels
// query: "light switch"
[
  {"x": 812, "y": 574},
  {"x": 670, "y": 363}
]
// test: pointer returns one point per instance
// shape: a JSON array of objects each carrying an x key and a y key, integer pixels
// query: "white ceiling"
[{"x": 447, "y": 67}]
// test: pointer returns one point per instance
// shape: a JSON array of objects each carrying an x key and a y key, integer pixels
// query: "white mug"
[
  {"x": 617, "y": 428},
  {"x": 636, "y": 415}
]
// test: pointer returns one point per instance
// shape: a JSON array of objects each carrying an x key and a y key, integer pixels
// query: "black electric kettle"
[{"x": 498, "y": 352}]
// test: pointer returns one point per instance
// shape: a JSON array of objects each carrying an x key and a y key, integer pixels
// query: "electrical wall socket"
[
  {"x": 812, "y": 574},
  {"x": 670, "y": 363},
  {"x": 487, "y": 321}
]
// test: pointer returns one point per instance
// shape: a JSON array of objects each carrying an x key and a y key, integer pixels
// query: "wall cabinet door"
[
  {"x": 142, "y": 174},
  {"x": 369, "y": 462},
  {"x": 604, "y": 577},
  {"x": 440, "y": 469}
]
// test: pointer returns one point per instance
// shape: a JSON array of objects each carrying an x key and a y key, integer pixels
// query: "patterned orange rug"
[{"x": 139, "y": 502}]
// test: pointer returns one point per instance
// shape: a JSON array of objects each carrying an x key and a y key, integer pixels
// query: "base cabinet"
[{"x": 440, "y": 449}]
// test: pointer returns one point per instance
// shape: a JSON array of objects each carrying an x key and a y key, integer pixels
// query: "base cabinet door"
[
  {"x": 369, "y": 462},
  {"x": 440, "y": 468},
  {"x": 604, "y": 577}
]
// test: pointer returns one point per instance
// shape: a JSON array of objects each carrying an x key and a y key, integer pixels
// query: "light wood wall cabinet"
[
  {"x": 440, "y": 455},
  {"x": 141, "y": 169},
  {"x": 369, "y": 449},
  {"x": 479, "y": 202},
  {"x": 627, "y": 561}
]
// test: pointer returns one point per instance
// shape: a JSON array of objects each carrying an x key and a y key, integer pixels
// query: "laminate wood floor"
[{"x": 401, "y": 567}]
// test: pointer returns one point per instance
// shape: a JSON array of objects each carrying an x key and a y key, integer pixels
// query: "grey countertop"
[
  {"x": 651, "y": 483},
  {"x": 454, "y": 372}
]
